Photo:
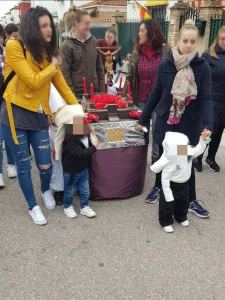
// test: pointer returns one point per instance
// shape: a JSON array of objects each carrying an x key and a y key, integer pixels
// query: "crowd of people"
[{"x": 179, "y": 92}]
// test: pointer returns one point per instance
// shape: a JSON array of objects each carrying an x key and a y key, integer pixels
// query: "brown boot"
[{"x": 58, "y": 196}]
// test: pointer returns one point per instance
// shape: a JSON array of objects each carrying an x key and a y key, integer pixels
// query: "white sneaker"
[
  {"x": 168, "y": 229},
  {"x": 185, "y": 223},
  {"x": 11, "y": 170},
  {"x": 2, "y": 183},
  {"x": 48, "y": 200},
  {"x": 70, "y": 212},
  {"x": 37, "y": 216},
  {"x": 88, "y": 212}
]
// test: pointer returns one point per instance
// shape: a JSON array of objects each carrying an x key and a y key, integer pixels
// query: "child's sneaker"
[
  {"x": 88, "y": 212},
  {"x": 168, "y": 229},
  {"x": 70, "y": 212},
  {"x": 48, "y": 199},
  {"x": 37, "y": 216},
  {"x": 153, "y": 196},
  {"x": 185, "y": 223}
]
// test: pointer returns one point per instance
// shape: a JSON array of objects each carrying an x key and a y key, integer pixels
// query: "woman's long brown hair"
[
  {"x": 212, "y": 49},
  {"x": 155, "y": 37}
]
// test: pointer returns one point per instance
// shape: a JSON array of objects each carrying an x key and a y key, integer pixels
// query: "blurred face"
[
  {"x": 142, "y": 34},
  {"x": 188, "y": 41},
  {"x": 84, "y": 26},
  {"x": 109, "y": 37},
  {"x": 45, "y": 28},
  {"x": 221, "y": 40},
  {"x": 79, "y": 128}
]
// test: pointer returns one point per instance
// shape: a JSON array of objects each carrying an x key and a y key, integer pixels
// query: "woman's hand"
[{"x": 56, "y": 60}]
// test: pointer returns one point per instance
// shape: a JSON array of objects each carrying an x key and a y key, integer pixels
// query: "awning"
[{"x": 151, "y": 3}]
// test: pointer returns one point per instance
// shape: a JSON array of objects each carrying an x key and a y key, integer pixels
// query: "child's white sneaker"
[
  {"x": 168, "y": 229},
  {"x": 37, "y": 216},
  {"x": 11, "y": 170},
  {"x": 185, "y": 223},
  {"x": 70, "y": 212},
  {"x": 88, "y": 212},
  {"x": 2, "y": 183},
  {"x": 48, "y": 199}
]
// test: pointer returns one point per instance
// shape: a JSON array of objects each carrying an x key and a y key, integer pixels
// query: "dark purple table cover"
[{"x": 118, "y": 173}]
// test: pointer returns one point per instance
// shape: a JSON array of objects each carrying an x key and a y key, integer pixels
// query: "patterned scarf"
[{"x": 184, "y": 88}]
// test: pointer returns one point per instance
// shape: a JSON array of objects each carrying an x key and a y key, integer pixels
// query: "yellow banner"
[{"x": 156, "y": 2}]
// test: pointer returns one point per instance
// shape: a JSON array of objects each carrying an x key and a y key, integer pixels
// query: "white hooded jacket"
[{"x": 176, "y": 168}]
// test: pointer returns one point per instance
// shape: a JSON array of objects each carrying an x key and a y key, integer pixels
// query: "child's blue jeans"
[{"x": 71, "y": 182}]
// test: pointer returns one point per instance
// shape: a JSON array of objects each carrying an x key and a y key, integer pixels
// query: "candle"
[
  {"x": 92, "y": 92},
  {"x": 85, "y": 85},
  {"x": 120, "y": 86},
  {"x": 128, "y": 91}
]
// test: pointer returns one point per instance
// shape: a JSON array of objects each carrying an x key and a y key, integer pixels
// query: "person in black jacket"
[
  {"x": 78, "y": 148},
  {"x": 215, "y": 56},
  {"x": 196, "y": 114}
]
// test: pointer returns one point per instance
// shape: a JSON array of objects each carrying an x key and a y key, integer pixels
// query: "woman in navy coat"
[
  {"x": 197, "y": 116},
  {"x": 215, "y": 56}
]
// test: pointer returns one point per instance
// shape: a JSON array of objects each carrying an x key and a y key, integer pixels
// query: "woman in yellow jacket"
[{"x": 25, "y": 111}]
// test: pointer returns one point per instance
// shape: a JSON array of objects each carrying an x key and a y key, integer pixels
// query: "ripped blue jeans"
[{"x": 39, "y": 141}]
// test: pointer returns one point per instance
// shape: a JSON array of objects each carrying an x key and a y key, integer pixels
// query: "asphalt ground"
[{"x": 121, "y": 254}]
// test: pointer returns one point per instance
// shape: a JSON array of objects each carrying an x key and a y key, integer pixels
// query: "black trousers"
[
  {"x": 177, "y": 208},
  {"x": 191, "y": 182},
  {"x": 215, "y": 142}
]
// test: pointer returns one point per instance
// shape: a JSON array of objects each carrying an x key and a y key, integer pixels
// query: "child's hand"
[
  {"x": 94, "y": 140},
  {"x": 206, "y": 134}
]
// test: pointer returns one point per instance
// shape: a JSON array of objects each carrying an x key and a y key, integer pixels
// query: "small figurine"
[{"x": 108, "y": 61}]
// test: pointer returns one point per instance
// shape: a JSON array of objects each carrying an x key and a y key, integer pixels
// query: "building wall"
[
  {"x": 16, "y": 16},
  {"x": 23, "y": 7},
  {"x": 51, "y": 5}
]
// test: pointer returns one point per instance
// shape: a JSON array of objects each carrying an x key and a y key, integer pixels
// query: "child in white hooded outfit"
[{"x": 175, "y": 165}]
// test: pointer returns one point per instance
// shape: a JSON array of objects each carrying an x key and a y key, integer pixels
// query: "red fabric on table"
[{"x": 118, "y": 173}]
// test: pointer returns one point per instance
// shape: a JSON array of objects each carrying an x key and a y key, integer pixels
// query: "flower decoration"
[
  {"x": 135, "y": 114},
  {"x": 92, "y": 118},
  {"x": 101, "y": 101}
]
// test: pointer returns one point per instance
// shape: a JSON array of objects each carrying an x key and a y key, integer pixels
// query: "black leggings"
[
  {"x": 191, "y": 182},
  {"x": 215, "y": 142}
]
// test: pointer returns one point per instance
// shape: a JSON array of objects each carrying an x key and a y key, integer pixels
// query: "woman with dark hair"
[
  {"x": 150, "y": 49},
  {"x": 110, "y": 43},
  {"x": 25, "y": 109},
  {"x": 182, "y": 101}
]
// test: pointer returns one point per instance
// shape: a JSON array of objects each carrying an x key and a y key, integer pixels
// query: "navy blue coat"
[
  {"x": 198, "y": 114},
  {"x": 218, "y": 84}
]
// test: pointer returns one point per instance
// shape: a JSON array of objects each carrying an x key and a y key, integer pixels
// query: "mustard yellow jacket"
[{"x": 30, "y": 87}]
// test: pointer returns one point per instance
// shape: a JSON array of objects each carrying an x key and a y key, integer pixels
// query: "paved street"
[{"x": 122, "y": 254}]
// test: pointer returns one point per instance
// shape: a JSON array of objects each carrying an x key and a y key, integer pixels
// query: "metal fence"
[{"x": 215, "y": 24}]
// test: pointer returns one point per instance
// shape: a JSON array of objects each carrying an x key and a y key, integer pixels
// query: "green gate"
[
  {"x": 127, "y": 33},
  {"x": 215, "y": 25},
  {"x": 99, "y": 32}
]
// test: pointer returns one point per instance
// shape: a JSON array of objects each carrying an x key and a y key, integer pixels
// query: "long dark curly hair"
[
  {"x": 30, "y": 34},
  {"x": 155, "y": 37}
]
